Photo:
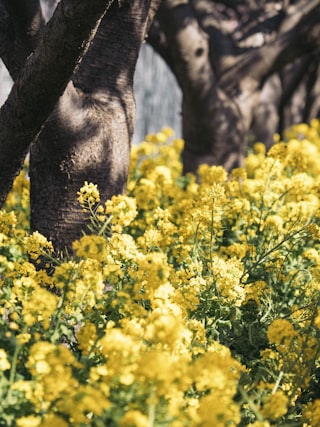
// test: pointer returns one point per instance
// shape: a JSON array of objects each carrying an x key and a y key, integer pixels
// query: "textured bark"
[
  {"x": 312, "y": 108},
  {"x": 43, "y": 79},
  {"x": 27, "y": 23},
  {"x": 300, "y": 101},
  {"x": 265, "y": 117},
  {"x": 21, "y": 23},
  {"x": 222, "y": 64},
  {"x": 87, "y": 138},
  {"x": 207, "y": 110}
]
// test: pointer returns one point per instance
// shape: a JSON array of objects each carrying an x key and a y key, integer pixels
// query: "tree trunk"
[
  {"x": 266, "y": 114},
  {"x": 221, "y": 66},
  {"x": 312, "y": 107},
  {"x": 214, "y": 127},
  {"x": 43, "y": 79},
  {"x": 87, "y": 138}
]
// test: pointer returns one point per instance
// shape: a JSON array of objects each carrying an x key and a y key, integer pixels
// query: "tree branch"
[
  {"x": 24, "y": 25},
  {"x": 158, "y": 41},
  {"x": 189, "y": 45},
  {"x": 298, "y": 35}
]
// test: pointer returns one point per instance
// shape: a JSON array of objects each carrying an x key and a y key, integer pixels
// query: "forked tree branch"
[{"x": 43, "y": 79}]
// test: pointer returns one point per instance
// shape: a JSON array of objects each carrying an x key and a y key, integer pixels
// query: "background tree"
[{"x": 230, "y": 57}]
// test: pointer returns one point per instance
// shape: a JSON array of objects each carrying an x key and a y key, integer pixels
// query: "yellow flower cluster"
[
  {"x": 88, "y": 195},
  {"x": 19, "y": 201},
  {"x": 193, "y": 304}
]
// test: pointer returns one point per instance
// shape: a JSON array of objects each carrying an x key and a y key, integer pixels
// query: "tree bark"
[
  {"x": 43, "y": 79},
  {"x": 207, "y": 111},
  {"x": 312, "y": 105},
  {"x": 221, "y": 73},
  {"x": 26, "y": 30},
  {"x": 87, "y": 138},
  {"x": 21, "y": 23},
  {"x": 266, "y": 114}
]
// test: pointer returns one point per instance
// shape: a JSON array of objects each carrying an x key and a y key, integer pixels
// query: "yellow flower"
[
  {"x": 239, "y": 173},
  {"x": 255, "y": 291},
  {"x": 83, "y": 400},
  {"x": 218, "y": 410},
  {"x": 8, "y": 222},
  {"x": 23, "y": 338},
  {"x": 163, "y": 328},
  {"x": 4, "y": 362},
  {"x": 134, "y": 418},
  {"x": 216, "y": 370},
  {"x": 317, "y": 319},
  {"x": 275, "y": 405},
  {"x": 122, "y": 208},
  {"x": 146, "y": 194},
  {"x": 91, "y": 247},
  {"x": 167, "y": 131},
  {"x": 53, "y": 420},
  {"x": 259, "y": 148},
  {"x": 152, "y": 268},
  {"x": 259, "y": 424},
  {"x": 26, "y": 387},
  {"x": 36, "y": 244},
  {"x": 274, "y": 223},
  {"x": 87, "y": 337},
  {"x": 227, "y": 275},
  {"x": 311, "y": 413},
  {"x": 278, "y": 151},
  {"x": 88, "y": 195},
  {"x": 18, "y": 203},
  {"x": 65, "y": 273},
  {"x": 52, "y": 366},
  {"x": 212, "y": 174},
  {"x": 164, "y": 370},
  {"x": 29, "y": 421},
  {"x": 39, "y": 307},
  {"x": 281, "y": 332},
  {"x": 87, "y": 285}
]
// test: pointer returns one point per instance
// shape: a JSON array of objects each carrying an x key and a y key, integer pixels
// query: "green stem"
[
  {"x": 269, "y": 252},
  {"x": 14, "y": 362},
  {"x": 251, "y": 404},
  {"x": 151, "y": 408}
]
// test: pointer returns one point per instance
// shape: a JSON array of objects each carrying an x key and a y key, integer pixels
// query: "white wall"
[
  {"x": 158, "y": 97},
  {"x": 5, "y": 83}
]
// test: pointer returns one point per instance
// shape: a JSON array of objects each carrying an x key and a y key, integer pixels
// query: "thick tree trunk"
[
  {"x": 214, "y": 128},
  {"x": 43, "y": 79},
  {"x": 87, "y": 138}
]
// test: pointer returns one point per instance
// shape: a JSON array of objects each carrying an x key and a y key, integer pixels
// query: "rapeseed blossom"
[
  {"x": 88, "y": 195},
  {"x": 192, "y": 303},
  {"x": 4, "y": 362}
]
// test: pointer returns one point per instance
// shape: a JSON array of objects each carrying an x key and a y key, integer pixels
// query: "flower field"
[{"x": 189, "y": 303}]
